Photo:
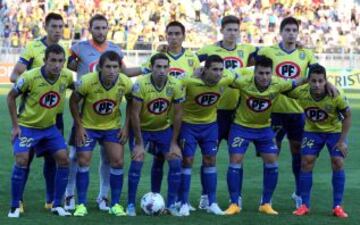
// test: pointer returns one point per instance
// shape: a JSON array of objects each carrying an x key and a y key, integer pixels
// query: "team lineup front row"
[{"x": 169, "y": 117}]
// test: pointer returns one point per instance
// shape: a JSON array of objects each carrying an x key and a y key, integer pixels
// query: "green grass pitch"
[{"x": 321, "y": 195}]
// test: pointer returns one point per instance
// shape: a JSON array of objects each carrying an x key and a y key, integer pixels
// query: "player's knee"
[
  {"x": 187, "y": 162},
  {"x": 83, "y": 161},
  {"x": 117, "y": 163},
  {"x": 209, "y": 160},
  {"x": 139, "y": 157},
  {"x": 236, "y": 158},
  {"x": 22, "y": 161},
  {"x": 337, "y": 163},
  {"x": 307, "y": 164}
]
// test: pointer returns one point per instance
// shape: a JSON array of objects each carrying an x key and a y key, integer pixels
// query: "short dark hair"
[
  {"x": 52, "y": 16},
  {"x": 176, "y": 24},
  {"x": 110, "y": 55},
  {"x": 263, "y": 61},
  {"x": 213, "y": 59},
  {"x": 55, "y": 48},
  {"x": 318, "y": 69},
  {"x": 97, "y": 17},
  {"x": 229, "y": 19},
  {"x": 158, "y": 56},
  {"x": 289, "y": 20}
]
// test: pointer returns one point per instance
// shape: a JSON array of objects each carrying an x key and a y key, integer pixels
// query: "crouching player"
[
  {"x": 153, "y": 95},
  {"x": 322, "y": 127},
  {"x": 43, "y": 91},
  {"x": 101, "y": 93},
  {"x": 252, "y": 124}
]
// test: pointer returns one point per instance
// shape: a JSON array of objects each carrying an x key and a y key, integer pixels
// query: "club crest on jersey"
[
  {"x": 62, "y": 88},
  {"x": 258, "y": 104},
  {"x": 177, "y": 73},
  {"x": 207, "y": 99},
  {"x": 302, "y": 55},
  {"x": 191, "y": 62},
  {"x": 136, "y": 88},
  {"x": 50, "y": 99},
  {"x": 316, "y": 114},
  {"x": 240, "y": 53},
  {"x": 158, "y": 106},
  {"x": 231, "y": 63},
  {"x": 169, "y": 91},
  {"x": 287, "y": 70},
  {"x": 104, "y": 107}
]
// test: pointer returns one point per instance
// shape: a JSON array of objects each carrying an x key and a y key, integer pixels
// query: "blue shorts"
[
  {"x": 60, "y": 122},
  {"x": 47, "y": 140},
  {"x": 240, "y": 138},
  {"x": 203, "y": 134},
  {"x": 224, "y": 120},
  {"x": 290, "y": 124},
  {"x": 98, "y": 136},
  {"x": 156, "y": 142},
  {"x": 314, "y": 142}
]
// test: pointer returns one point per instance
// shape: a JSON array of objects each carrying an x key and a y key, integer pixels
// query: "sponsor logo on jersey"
[
  {"x": 287, "y": 70},
  {"x": 104, "y": 106},
  {"x": 231, "y": 63},
  {"x": 50, "y": 99},
  {"x": 177, "y": 73},
  {"x": 207, "y": 99},
  {"x": 258, "y": 104},
  {"x": 158, "y": 106},
  {"x": 316, "y": 114}
]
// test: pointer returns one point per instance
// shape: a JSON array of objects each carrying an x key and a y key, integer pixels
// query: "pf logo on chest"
[
  {"x": 207, "y": 99},
  {"x": 258, "y": 104},
  {"x": 232, "y": 63},
  {"x": 288, "y": 70},
  {"x": 177, "y": 72},
  {"x": 315, "y": 114},
  {"x": 158, "y": 106},
  {"x": 104, "y": 107},
  {"x": 50, "y": 99}
]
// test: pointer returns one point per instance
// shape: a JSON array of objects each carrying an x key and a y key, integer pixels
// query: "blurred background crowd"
[{"x": 328, "y": 26}]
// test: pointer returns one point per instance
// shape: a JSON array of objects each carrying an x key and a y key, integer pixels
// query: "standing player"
[
  {"x": 252, "y": 124},
  {"x": 182, "y": 64},
  {"x": 84, "y": 59},
  {"x": 153, "y": 96},
  {"x": 33, "y": 57},
  {"x": 322, "y": 127},
  {"x": 235, "y": 56},
  {"x": 199, "y": 127},
  {"x": 43, "y": 90},
  {"x": 101, "y": 93},
  {"x": 287, "y": 118}
]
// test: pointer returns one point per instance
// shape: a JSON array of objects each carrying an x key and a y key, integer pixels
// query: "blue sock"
[
  {"x": 305, "y": 181},
  {"x": 202, "y": 180},
  {"x": 233, "y": 181},
  {"x": 61, "y": 180},
  {"x": 296, "y": 166},
  {"x": 116, "y": 183},
  {"x": 156, "y": 175},
  {"x": 49, "y": 172},
  {"x": 210, "y": 179},
  {"x": 241, "y": 174},
  {"x": 338, "y": 182},
  {"x": 82, "y": 184},
  {"x": 133, "y": 180},
  {"x": 270, "y": 178},
  {"x": 17, "y": 185},
  {"x": 185, "y": 185},
  {"x": 174, "y": 179},
  {"x": 27, "y": 171}
]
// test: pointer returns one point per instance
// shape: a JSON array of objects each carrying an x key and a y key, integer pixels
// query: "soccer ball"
[{"x": 152, "y": 204}]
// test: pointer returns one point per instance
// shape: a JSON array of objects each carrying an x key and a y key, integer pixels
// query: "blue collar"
[
  {"x": 281, "y": 46},
  {"x": 176, "y": 57}
]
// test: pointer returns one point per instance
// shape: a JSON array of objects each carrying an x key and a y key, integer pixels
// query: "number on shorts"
[
  {"x": 25, "y": 142},
  {"x": 307, "y": 143},
  {"x": 237, "y": 142}
]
